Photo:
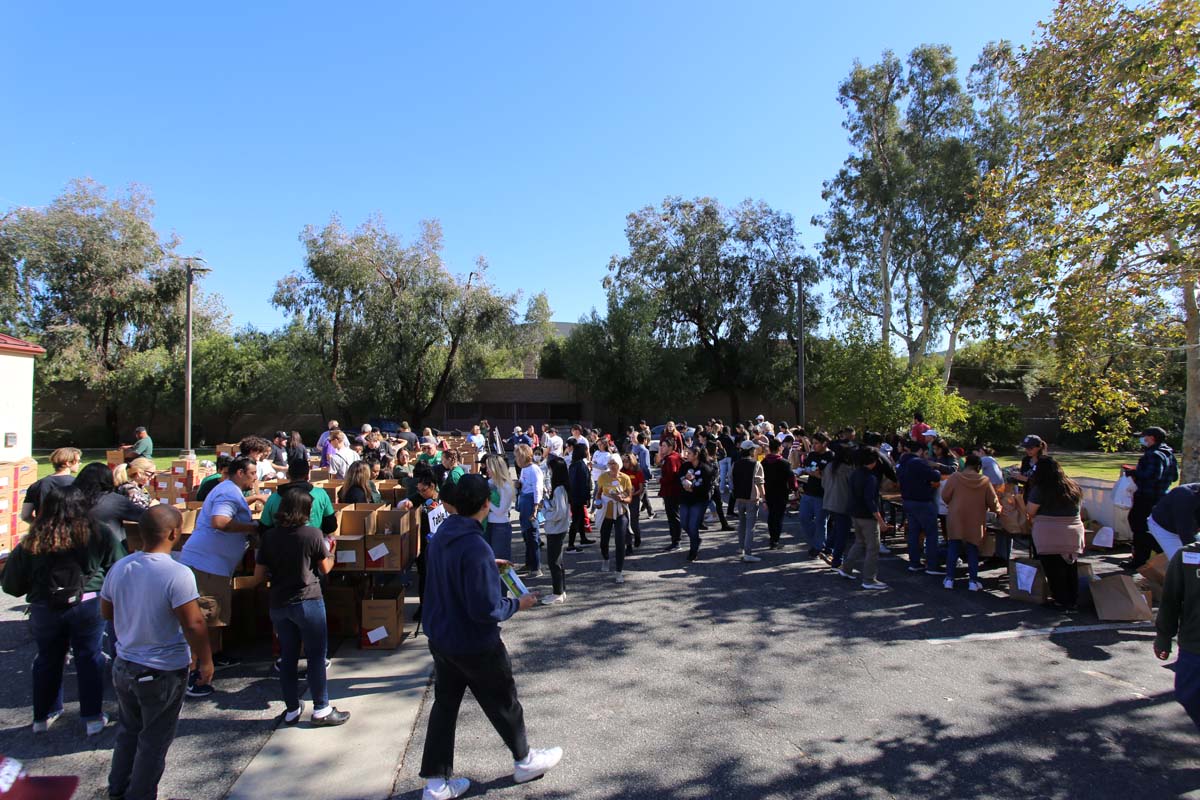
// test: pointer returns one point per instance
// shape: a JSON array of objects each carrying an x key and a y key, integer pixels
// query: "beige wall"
[{"x": 16, "y": 405}]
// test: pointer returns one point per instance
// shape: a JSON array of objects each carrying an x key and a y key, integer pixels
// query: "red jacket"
[{"x": 668, "y": 483}]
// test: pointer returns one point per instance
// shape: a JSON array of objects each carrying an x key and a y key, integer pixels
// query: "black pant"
[
  {"x": 635, "y": 524},
  {"x": 1063, "y": 577},
  {"x": 489, "y": 676},
  {"x": 577, "y": 510},
  {"x": 1139, "y": 523},
  {"x": 554, "y": 548},
  {"x": 671, "y": 506},
  {"x": 621, "y": 526},
  {"x": 645, "y": 503},
  {"x": 776, "y": 506},
  {"x": 716, "y": 497}
]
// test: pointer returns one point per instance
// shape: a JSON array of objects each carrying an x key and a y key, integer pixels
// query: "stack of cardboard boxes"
[
  {"x": 15, "y": 479},
  {"x": 178, "y": 484}
]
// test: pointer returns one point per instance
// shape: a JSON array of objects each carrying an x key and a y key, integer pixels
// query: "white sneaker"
[
  {"x": 536, "y": 764},
  {"x": 438, "y": 789},
  {"x": 974, "y": 586},
  {"x": 874, "y": 585},
  {"x": 948, "y": 583},
  {"x": 619, "y": 578},
  {"x": 749, "y": 559},
  {"x": 41, "y": 726},
  {"x": 604, "y": 565},
  {"x": 537, "y": 573},
  {"x": 934, "y": 572},
  {"x": 554, "y": 599},
  {"x": 844, "y": 574},
  {"x": 96, "y": 726}
]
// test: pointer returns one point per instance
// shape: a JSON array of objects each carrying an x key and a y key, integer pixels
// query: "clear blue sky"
[{"x": 529, "y": 130}]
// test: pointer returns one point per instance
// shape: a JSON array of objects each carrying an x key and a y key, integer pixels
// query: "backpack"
[
  {"x": 1171, "y": 470},
  {"x": 66, "y": 579}
]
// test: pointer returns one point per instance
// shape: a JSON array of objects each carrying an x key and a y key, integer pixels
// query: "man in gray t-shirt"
[{"x": 153, "y": 603}]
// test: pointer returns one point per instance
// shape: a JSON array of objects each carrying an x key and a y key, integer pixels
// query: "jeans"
[
  {"x": 719, "y": 506},
  {"x": 674, "y": 525},
  {"x": 812, "y": 520},
  {"x": 499, "y": 536},
  {"x": 839, "y": 536},
  {"x": 1062, "y": 576},
  {"x": 864, "y": 553},
  {"x": 952, "y": 558},
  {"x": 1169, "y": 542},
  {"x": 81, "y": 629},
  {"x": 529, "y": 529},
  {"x": 1139, "y": 519},
  {"x": 747, "y": 521},
  {"x": 490, "y": 679},
  {"x": 621, "y": 525},
  {"x": 554, "y": 550},
  {"x": 148, "y": 701},
  {"x": 724, "y": 472},
  {"x": 578, "y": 514},
  {"x": 635, "y": 523},
  {"x": 690, "y": 517},
  {"x": 776, "y": 507},
  {"x": 922, "y": 517},
  {"x": 1187, "y": 683},
  {"x": 296, "y": 623}
]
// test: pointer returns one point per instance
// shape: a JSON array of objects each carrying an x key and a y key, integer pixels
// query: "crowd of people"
[{"x": 88, "y": 594}]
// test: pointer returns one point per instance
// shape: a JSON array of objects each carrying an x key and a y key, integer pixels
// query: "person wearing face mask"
[{"x": 1156, "y": 470}]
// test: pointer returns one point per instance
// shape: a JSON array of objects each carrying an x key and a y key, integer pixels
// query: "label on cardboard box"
[
  {"x": 344, "y": 557},
  {"x": 378, "y": 552},
  {"x": 377, "y": 634},
  {"x": 1025, "y": 576}
]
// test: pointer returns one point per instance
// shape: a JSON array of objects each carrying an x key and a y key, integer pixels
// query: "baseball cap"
[
  {"x": 429, "y": 441},
  {"x": 281, "y": 434},
  {"x": 518, "y": 429},
  {"x": 1032, "y": 440},
  {"x": 139, "y": 429},
  {"x": 748, "y": 444},
  {"x": 759, "y": 418},
  {"x": 15, "y": 784},
  {"x": 931, "y": 433},
  {"x": 1156, "y": 432}
]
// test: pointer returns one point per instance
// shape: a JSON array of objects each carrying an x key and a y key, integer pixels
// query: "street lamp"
[{"x": 189, "y": 265}]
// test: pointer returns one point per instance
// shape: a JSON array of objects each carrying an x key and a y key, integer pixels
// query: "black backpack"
[{"x": 66, "y": 578}]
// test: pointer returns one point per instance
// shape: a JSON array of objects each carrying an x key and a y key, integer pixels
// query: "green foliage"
[
  {"x": 1013, "y": 363},
  {"x": 997, "y": 424},
  {"x": 552, "y": 360}
]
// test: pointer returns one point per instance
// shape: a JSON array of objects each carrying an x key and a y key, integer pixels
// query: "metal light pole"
[
  {"x": 189, "y": 265},
  {"x": 800, "y": 346}
]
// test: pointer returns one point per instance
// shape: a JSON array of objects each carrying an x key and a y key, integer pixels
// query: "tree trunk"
[
  {"x": 951, "y": 345},
  {"x": 1189, "y": 464},
  {"x": 885, "y": 285},
  {"x": 112, "y": 420}
]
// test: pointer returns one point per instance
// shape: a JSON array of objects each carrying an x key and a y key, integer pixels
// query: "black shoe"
[
  {"x": 331, "y": 719},
  {"x": 583, "y": 540},
  {"x": 813, "y": 552},
  {"x": 773, "y": 546},
  {"x": 222, "y": 661},
  {"x": 575, "y": 548},
  {"x": 637, "y": 542},
  {"x": 703, "y": 527},
  {"x": 629, "y": 551},
  {"x": 693, "y": 555},
  {"x": 195, "y": 689},
  {"x": 293, "y": 717},
  {"x": 727, "y": 527},
  {"x": 671, "y": 547},
  {"x": 649, "y": 515}
]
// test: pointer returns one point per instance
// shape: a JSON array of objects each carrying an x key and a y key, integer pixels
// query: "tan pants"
[
  {"x": 864, "y": 553},
  {"x": 220, "y": 588}
]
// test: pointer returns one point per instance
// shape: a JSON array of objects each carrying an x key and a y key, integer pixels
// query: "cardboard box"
[
  {"x": 392, "y": 521},
  {"x": 229, "y": 449},
  {"x": 1117, "y": 598},
  {"x": 1155, "y": 569},
  {"x": 1027, "y": 580},
  {"x": 318, "y": 475},
  {"x": 331, "y": 486},
  {"x": 349, "y": 554},
  {"x": 1153, "y": 587},
  {"x": 115, "y": 458},
  {"x": 386, "y": 553},
  {"x": 17, "y": 474},
  {"x": 133, "y": 536},
  {"x": 342, "y": 610},
  {"x": 382, "y": 625},
  {"x": 1100, "y": 538},
  {"x": 359, "y": 519}
]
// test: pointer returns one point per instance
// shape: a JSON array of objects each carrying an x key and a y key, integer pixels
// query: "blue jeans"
[
  {"x": 922, "y": 516},
  {"x": 725, "y": 472},
  {"x": 499, "y": 536},
  {"x": 81, "y": 629},
  {"x": 1187, "y": 683},
  {"x": 296, "y": 623},
  {"x": 952, "y": 548},
  {"x": 812, "y": 520},
  {"x": 690, "y": 517},
  {"x": 529, "y": 530},
  {"x": 839, "y": 536}
]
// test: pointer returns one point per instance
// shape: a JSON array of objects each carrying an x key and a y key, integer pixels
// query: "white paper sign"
[
  {"x": 178, "y": 484},
  {"x": 344, "y": 557},
  {"x": 377, "y": 634},
  {"x": 1103, "y": 537},
  {"x": 1025, "y": 576},
  {"x": 180, "y": 470},
  {"x": 378, "y": 551},
  {"x": 1191, "y": 558},
  {"x": 436, "y": 517}
]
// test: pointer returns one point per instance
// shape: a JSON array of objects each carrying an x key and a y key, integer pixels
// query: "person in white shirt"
[
  {"x": 554, "y": 442},
  {"x": 600, "y": 459},
  {"x": 532, "y": 491},
  {"x": 503, "y": 494},
  {"x": 342, "y": 456}
]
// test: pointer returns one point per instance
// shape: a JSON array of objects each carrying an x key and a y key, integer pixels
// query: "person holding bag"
[{"x": 1053, "y": 504}]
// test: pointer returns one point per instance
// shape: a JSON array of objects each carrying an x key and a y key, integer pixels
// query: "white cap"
[
  {"x": 366, "y": 428},
  {"x": 748, "y": 444},
  {"x": 759, "y": 418},
  {"x": 931, "y": 433},
  {"x": 518, "y": 429}
]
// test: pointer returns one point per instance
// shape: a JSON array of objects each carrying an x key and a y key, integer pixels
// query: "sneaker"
[
  {"x": 749, "y": 559},
  {"x": 915, "y": 568},
  {"x": 604, "y": 566},
  {"x": 329, "y": 720},
  {"x": 445, "y": 790},
  {"x": 195, "y": 689},
  {"x": 222, "y": 661},
  {"x": 575, "y": 549},
  {"x": 95, "y": 727},
  {"x": 813, "y": 552},
  {"x": 537, "y": 573},
  {"x": 692, "y": 556},
  {"x": 773, "y": 546},
  {"x": 672, "y": 547},
  {"x": 619, "y": 577},
  {"x": 293, "y": 717},
  {"x": 948, "y": 583},
  {"x": 934, "y": 572},
  {"x": 844, "y": 574},
  {"x": 883, "y": 549},
  {"x": 874, "y": 585},
  {"x": 43, "y": 725},
  {"x": 536, "y": 764},
  {"x": 554, "y": 599},
  {"x": 974, "y": 586}
]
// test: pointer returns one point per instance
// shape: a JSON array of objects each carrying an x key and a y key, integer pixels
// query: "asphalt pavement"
[{"x": 782, "y": 680}]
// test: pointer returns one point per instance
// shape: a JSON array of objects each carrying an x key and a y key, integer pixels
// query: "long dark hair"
[
  {"x": 558, "y": 474},
  {"x": 295, "y": 508},
  {"x": 1053, "y": 484},
  {"x": 94, "y": 481},
  {"x": 62, "y": 523}
]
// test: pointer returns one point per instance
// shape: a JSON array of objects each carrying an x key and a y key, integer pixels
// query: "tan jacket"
[{"x": 969, "y": 496}]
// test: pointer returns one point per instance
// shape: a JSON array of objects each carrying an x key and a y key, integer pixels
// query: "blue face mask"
[{"x": 1147, "y": 441}]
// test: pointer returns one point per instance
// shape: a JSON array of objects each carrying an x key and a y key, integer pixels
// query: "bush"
[{"x": 998, "y": 424}]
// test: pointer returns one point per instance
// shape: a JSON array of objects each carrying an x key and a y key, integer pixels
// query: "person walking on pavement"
[
  {"x": 579, "y": 488},
  {"x": 1156, "y": 470},
  {"x": 466, "y": 606},
  {"x": 669, "y": 488},
  {"x": 780, "y": 482},
  {"x": 867, "y": 520},
  {"x": 747, "y": 482}
]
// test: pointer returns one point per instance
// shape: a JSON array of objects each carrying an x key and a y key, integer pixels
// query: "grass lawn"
[
  {"x": 163, "y": 462},
  {"x": 1105, "y": 466}
]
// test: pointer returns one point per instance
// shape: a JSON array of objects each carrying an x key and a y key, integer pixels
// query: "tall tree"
[
  {"x": 1106, "y": 198},
  {"x": 714, "y": 276}
]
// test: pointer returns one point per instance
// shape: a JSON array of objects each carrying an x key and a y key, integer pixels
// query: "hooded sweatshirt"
[
  {"x": 464, "y": 603},
  {"x": 969, "y": 496}
]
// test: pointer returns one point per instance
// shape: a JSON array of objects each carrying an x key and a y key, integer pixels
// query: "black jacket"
[{"x": 579, "y": 483}]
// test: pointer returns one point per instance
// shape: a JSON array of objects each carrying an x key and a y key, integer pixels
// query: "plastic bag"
[{"x": 1123, "y": 492}]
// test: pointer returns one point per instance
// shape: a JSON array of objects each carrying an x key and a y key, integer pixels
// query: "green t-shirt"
[
  {"x": 144, "y": 447},
  {"x": 322, "y": 507},
  {"x": 456, "y": 473}
]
